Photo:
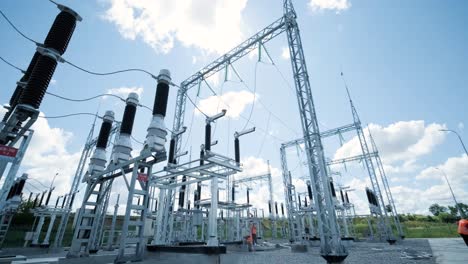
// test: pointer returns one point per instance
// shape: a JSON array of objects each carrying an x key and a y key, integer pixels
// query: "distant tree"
[
  {"x": 437, "y": 209},
  {"x": 453, "y": 210},
  {"x": 447, "y": 218}
]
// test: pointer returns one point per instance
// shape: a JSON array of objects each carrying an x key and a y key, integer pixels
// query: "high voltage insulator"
[
  {"x": 71, "y": 201},
  {"x": 123, "y": 147},
  {"x": 299, "y": 200},
  {"x": 63, "y": 202},
  {"x": 156, "y": 137},
  {"x": 208, "y": 136},
  {"x": 98, "y": 160},
  {"x": 54, "y": 46},
  {"x": 309, "y": 190},
  {"x": 36, "y": 200},
  {"x": 332, "y": 187},
  {"x": 182, "y": 192},
  {"x": 237, "y": 150},
  {"x": 48, "y": 196},
  {"x": 42, "y": 198},
  {"x": 282, "y": 209},
  {"x": 233, "y": 193},
  {"x": 269, "y": 207},
  {"x": 276, "y": 208},
  {"x": 248, "y": 196},
  {"x": 346, "y": 196},
  {"x": 305, "y": 201},
  {"x": 171, "y": 158},
  {"x": 342, "y": 197}
]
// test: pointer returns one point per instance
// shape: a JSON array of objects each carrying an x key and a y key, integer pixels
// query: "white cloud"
[
  {"x": 234, "y": 102},
  {"x": 124, "y": 91},
  {"x": 400, "y": 144},
  {"x": 53, "y": 82},
  {"x": 336, "y": 5},
  {"x": 213, "y": 26},
  {"x": 47, "y": 155},
  {"x": 461, "y": 126},
  {"x": 285, "y": 53}
]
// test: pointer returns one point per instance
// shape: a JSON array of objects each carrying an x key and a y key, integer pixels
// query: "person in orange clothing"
[
  {"x": 253, "y": 232},
  {"x": 463, "y": 229},
  {"x": 249, "y": 243}
]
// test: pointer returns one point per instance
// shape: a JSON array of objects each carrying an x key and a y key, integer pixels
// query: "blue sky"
[{"x": 404, "y": 62}]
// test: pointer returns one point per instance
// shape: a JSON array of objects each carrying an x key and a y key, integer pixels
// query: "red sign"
[
  {"x": 8, "y": 152},
  {"x": 142, "y": 177}
]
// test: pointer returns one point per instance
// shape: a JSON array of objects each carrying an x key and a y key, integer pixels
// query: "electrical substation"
[{"x": 196, "y": 209}]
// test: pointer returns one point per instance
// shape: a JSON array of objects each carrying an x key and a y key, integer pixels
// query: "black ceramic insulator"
[
  {"x": 248, "y": 197},
  {"x": 305, "y": 201},
  {"x": 342, "y": 197},
  {"x": 282, "y": 209},
  {"x": 222, "y": 215},
  {"x": 368, "y": 196},
  {"x": 61, "y": 32},
  {"x": 160, "y": 101},
  {"x": 171, "y": 151},
  {"x": 208, "y": 137},
  {"x": 21, "y": 183},
  {"x": 42, "y": 198},
  {"x": 155, "y": 205},
  {"x": 38, "y": 82},
  {"x": 71, "y": 201},
  {"x": 63, "y": 202},
  {"x": 276, "y": 208},
  {"x": 199, "y": 185},
  {"x": 332, "y": 187},
  {"x": 182, "y": 193},
  {"x": 376, "y": 202},
  {"x": 347, "y": 198},
  {"x": 202, "y": 155},
  {"x": 12, "y": 191},
  {"x": 269, "y": 207},
  {"x": 56, "y": 202},
  {"x": 104, "y": 133},
  {"x": 237, "y": 150},
  {"x": 309, "y": 191},
  {"x": 48, "y": 198},
  {"x": 29, "y": 198},
  {"x": 128, "y": 119},
  {"x": 35, "y": 200},
  {"x": 233, "y": 193},
  {"x": 299, "y": 199},
  {"x": 188, "y": 205}
]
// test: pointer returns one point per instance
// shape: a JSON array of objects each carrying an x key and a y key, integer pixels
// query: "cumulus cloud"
[
  {"x": 47, "y": 155},
  {"x": 124, "y": 91},
  {"x": 400, "y": 144},
  {"x": 212, "y": 26},
  {"x": 336, "y": 5},
  {"x": 285, "y": 53},
  {"x": 234, "y": 102}
]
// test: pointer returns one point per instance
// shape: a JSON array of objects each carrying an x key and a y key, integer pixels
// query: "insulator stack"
[
  {"x": 29, "y": 198},
  {"x": 99, "y": 158},
  {"x": 55, "y": 45},
  {"x": 208, "y": 136},
  {"x": 21, "y": 84},
  {"x": 202, "y": 155},
  {"x": 269, "y": 207},
  {"x": 63, "y": 202},
  {"x": 123, "y": 147},
  {"x": 188, "y": 205},
  {"x": 346, "y": 196},
  {"x": 156, "y": 136},
  {"x": 282, "y": 209},
  {"x": 72, "y": 200},
  {"x": 233, "y": 194},
  {"x": 305, "y": 201},
  {"x": 12, "y": 190},
  {"x": 299, "y": 200},
  {"x": 48, "y": 197},
  {"x": 36, "y": 200},
  {"x": 276, "y": 208},
  {"x": 57, "y": 201},
  {"x": 342, "y": 196},
  {"x": 237, "y": 150},
  {"x": 332, "y": 187},
  {"x": 309, "y": 190},
  {"x": 248, "y": 196},
  {"x": 198, "y": 197},
  {"x": 182, "y": 192},
  {"x": 222, "y": 215},
  {"x": 171, "y": 152},
  {"x": 42, "y": 198}
]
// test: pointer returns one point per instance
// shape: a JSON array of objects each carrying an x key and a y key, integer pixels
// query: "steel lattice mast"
[{"x": 330, "y": 241}]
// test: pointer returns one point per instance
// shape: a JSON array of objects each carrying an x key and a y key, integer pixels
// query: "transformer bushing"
[
  {"x": 156, "y": 137},
  {"x": 98, "y": 160},
  {"x": 123, "y": 146}
]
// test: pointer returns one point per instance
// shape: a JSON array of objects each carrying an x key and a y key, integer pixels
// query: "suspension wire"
[
  {"x": 86, "y": 99},
  {"x": 69, "y": 115},
  {"x": 110, "y": 73},
  {"x": 190, "y": 127},
  {"x": 136, "y": 140},
  {"x": 264, "y": 136},
  {"x": 17, "y": 30},
  {"x": 12, "y": 65},
  {"x": 254, "y": 95},
  {"x": 267, "y": 109}
]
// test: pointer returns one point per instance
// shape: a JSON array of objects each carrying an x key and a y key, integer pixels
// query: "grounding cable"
[{"x": 7, "y": 62}]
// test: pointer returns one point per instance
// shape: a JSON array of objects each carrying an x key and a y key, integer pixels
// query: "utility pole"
[{"x": 453, "y": 194}]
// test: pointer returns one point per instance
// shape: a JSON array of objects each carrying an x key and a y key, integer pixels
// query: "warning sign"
[
  {"x": 142, "y": 177},
  {"x": 7, "y": 153}
]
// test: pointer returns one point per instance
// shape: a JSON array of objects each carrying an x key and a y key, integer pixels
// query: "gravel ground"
[{"x": 404, "y": 252}]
